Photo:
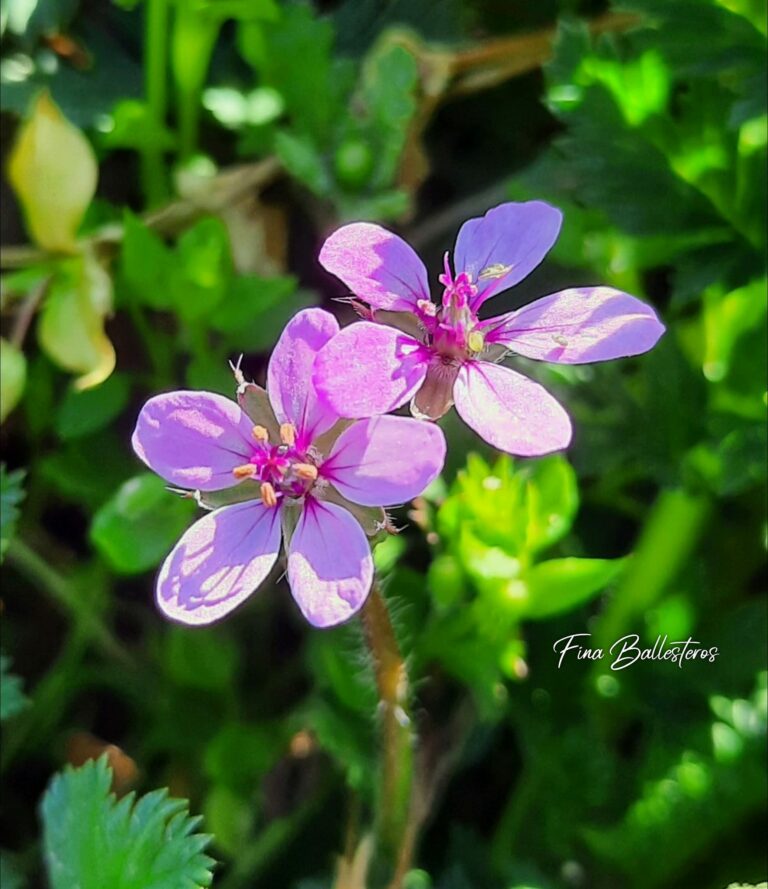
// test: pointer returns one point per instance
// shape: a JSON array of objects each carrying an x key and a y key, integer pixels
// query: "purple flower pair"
[
  {"x": 295, "y": 470},
  {"x": 310, "y": 479}
]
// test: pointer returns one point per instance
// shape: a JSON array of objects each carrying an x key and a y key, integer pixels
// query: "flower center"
[
  {"x": 280, "y": 468},
  {"x": 452, "y": 329}
]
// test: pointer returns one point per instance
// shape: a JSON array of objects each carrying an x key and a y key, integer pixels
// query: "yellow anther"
[
  {"x": 288, "y": 434},
  {"x": 497, "y": 270},
  {"x": 248, "y": 470},
  {"x": 268, "y": 496},
  {"x": 560, "y": 339},
  {"x": 260, "y": 433},
  {"x": 305, "y": 471},
  {"x": 476, "y": 341}
]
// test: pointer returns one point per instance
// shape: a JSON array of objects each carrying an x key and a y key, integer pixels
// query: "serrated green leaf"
[
  {"x": 12, "y": 697},
  {"x": 560, "y": 585},
  {"x": 11, "y": 495},
  {"x": 93, "y": 841},
  {"x": 137, "y": 527}
]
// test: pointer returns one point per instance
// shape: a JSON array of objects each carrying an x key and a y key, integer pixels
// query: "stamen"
[
  {"x": 268, "y": 496},
  {"x": 288, "y": 434},
  {"x": 305, "y": 471},
  {"x": 476, "y": 341},
  {"x": 260, "y": 434},
  {"x": 248, "y": 470}
]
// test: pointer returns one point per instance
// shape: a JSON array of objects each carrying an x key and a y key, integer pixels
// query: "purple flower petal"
[
  {"x": 504, "y": 246},
  {"x": 289, "y": 375},
  {"x": 330, "y": 568},
  {"x": 369, "y": 369},
  {"x": 377, "y": 266},
  {"x": 385, "y": 460},
  {"x": 218, "y": 563},
  {"x": 509, "y": 411},
  {"x": 578, "y": 325},
  {"x": 193, "y": 439}
]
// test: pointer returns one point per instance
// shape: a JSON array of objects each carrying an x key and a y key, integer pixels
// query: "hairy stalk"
[{"x": 394, "y": 843}]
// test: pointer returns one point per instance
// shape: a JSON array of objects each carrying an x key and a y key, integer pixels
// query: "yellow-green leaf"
[
  {"x": 13, "y": 375},
  {"x": 53, "y": 171},
  {"x": 71, "y": 330}
]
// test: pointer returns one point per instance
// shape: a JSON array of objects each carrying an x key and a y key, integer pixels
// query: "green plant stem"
[
  {"x": 155, "y": 85},
  {"x": 395, "y": 793},
  {"x": 40, "y": 574},
  {"x": 193, "y": 40}
]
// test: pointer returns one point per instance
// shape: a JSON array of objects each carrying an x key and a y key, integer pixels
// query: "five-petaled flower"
[
  {"x": 370, "y": 368},
  {"x": 293, "y": 469}
]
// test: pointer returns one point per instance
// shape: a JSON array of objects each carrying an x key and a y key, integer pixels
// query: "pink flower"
[
  {"x": 438, "y": 355},
  {"x": 297, "y": 472}
]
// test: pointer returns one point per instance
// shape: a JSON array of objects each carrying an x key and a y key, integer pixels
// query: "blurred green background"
[{"x": 171, "y": 170}]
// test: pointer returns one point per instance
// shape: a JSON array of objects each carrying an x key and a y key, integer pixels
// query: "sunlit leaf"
[
  {"x": 93, "y": 841},
  {"x": 13, "y": 376},
  {"x": 560, "y": 585},
  {"x": 71, "y": 330},
  {"x": 53, "y": 171}
]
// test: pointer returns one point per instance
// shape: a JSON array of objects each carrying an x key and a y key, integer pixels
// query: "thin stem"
[
  {"x": 40, "y": 574},
  {"x": 395, "y": 794},
  {"x": 27, "y": 312},
  {"x": 155, "y": 74}
]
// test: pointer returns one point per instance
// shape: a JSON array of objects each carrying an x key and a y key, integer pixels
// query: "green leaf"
[
  {"x": 85, "y": 470},
  {"x": 10, "y": 877},
  {"x": 12, "y": 698},
  {"x": 560, "y": 585},
  {"x": 137, "y": 527},
  {"x": 71, "y": 330},
  {"x": 248, "y": 298},
  {"x": 132, "y": 126},
  {"x": 204, "y": 269},
  {"x": 239, "y": 755},
  {"x": 13, "y": 376},
  {"x": 551, "y": 498},
  {"x": 390, "y": 78},
  {"x": 93, "y": 841},
  {"x": 81, "y": 413},
  {"x": 204, "y": 658},
  {"x": 11, "y": 495},
  {"x": 273, "y": 49},
  {"x": 304, "y": 162},
  {"x": 146, "y": 264}
]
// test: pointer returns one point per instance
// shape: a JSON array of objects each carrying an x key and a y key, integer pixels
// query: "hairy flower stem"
[{"x": 395, "y": 792}]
